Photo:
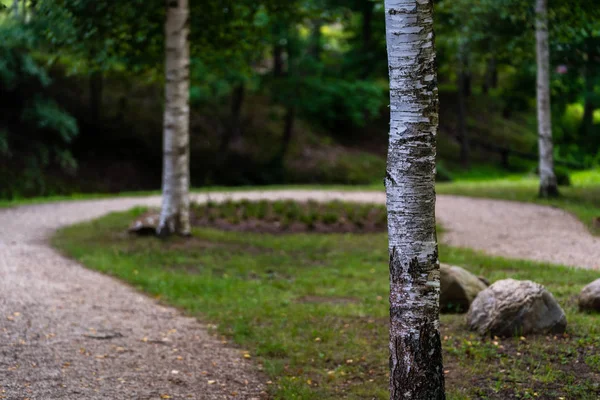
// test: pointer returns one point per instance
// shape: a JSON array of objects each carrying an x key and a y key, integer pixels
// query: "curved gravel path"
[{"x": 70, "y": 333}]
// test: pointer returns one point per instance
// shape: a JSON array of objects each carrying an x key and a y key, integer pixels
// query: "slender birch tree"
[
  {"x": 174, "y": 218},
  {"x": 416, "y": 370},
  {"x": 15, "y": 8},
  {"x": 548, "y": 184}
]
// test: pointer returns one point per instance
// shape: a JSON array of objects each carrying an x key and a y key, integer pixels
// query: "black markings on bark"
[
  {"x": 395, "y": 267},
  {"x": 414, "y": 137},
  {"x": 394, "y": 11},
  {"x": 433, "y": 257},
  {"x": 422, "y": 375},
  {"x": 414, "y": 269},
  {"x": 172, "y": 3},
  {"x": 389, "y": 178}
]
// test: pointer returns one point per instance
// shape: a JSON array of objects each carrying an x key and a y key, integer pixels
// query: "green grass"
[
  {"x": 312, "y": 309},
  {"x": 582, "y": 199}
]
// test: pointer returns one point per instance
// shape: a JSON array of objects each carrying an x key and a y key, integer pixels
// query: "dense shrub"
[
  {"x": 563, "y": 177},
  {"x": 36, "y": 131}
]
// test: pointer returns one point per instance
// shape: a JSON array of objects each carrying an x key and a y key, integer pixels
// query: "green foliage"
[
  {"x": 563, "y": 177},
  {"x": 37, "y": 132},
  {"x": 332, "y": 81},
  {"x": 346, "y": 168}
]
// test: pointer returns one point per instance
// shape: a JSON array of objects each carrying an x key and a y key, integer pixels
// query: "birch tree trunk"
[
  {"x": 589, "y": 75},
  {"x": 174, "y": 217},
  {"x": 463, "y": 73},
  {"x": 548, "y": 184},
  {"x": 416, "y": 370},
  {"x": 15, "y": 8}
]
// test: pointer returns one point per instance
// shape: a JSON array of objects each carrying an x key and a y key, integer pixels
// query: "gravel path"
[{"x": 70, "y": 333}]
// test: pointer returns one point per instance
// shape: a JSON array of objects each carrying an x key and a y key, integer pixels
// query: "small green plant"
[
  {"x": 330, "y": 217},
  {"x": 269, "y": 216},
  {"x": 262, "y": 210},
  {"x": 293, "y": 211},
  {"x": 285, "y": 223},
  {"x": 278, "y": 207},
  {"x": 563, "y": 177}
]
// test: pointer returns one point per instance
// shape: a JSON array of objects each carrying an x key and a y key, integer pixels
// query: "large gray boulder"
[
  {"x": 458, "y": 288},
  {"x": 589, "y": 298},
  {"x": 511, "y": 307}
]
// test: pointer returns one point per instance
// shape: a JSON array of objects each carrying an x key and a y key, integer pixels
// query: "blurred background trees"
[{"x": 288, "y": 91}]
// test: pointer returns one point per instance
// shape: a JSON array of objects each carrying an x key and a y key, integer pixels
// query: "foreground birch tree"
[
  {"x": 174, "y": 217},
  {"x": 415, "y": 347},
  {"x": 548, "y": 184}
]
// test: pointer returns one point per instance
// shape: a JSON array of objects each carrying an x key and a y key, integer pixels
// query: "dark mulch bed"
[{"x": 291, "y": 217}]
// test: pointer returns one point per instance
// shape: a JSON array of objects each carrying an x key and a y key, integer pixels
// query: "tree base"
[{"x": 548, "y": 192}]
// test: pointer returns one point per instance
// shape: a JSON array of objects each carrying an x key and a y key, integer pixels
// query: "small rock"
[
  {"x": 589, "y": 298},
  {"x": 145, "y": 225},
  {"x": 458, "y": 288},
  {"x": 510, "y": 307}
]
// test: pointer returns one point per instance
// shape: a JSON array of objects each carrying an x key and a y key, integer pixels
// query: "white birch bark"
[
  {"x": 174, "y": 218},
  {"x": 415, "y": 348},
  {"x": 548, "y": 184},
  {"x": 15, "y": 8}
]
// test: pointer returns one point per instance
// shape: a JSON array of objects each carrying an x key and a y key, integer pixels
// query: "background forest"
[
  {"x": 290, "y": 91},
  {"x": 282, "y": 113}
]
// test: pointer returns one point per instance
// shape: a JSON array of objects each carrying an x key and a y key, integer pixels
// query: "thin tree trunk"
[
  {"x": 316, "y": 38},
  {"x": 288, "y": 132},
  {"x": 548, "y": 185},
  {"x": 234, "y": 131},
  {"x": 491, "y": 75},
  {"x": 32, "y": 10},
  {"x": 462, "y": 106},
  {"x": 367, "y": 23},
  {"x": 174, "y": 217},
  {"x": 416, "y": 370},
  {"x": 588, "y": 117},
  {"x": 15, "y": 8},
  {"x": 278, "y": 60},
  {"x": 96, "y": 89},
  {"x": 467, "y": 80},
  {"x": 367, "y": 34},
  {"x": 587, "y": 122}
]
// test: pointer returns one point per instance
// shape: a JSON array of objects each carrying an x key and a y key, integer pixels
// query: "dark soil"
[{"x": 291, "y": 217}]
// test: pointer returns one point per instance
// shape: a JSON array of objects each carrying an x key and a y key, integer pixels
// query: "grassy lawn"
[
  {"x": 582, "y": 199},
  {"x": 312, "y": 309}
]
